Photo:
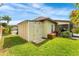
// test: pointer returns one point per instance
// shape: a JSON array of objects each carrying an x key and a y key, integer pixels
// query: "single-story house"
[
  {"x": 14, "y": 30},
  {"x": 37, "y": 29}
]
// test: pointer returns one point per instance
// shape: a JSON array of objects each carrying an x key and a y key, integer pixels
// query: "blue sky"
[{"x": 28, "y": 11}]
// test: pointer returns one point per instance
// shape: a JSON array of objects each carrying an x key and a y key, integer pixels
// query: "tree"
[
  {"x": 4, "y": 24},
  {"x": 77, "y": 5},
  {"x": 6, "y": 18},
  {"x": 74, "y": 17},
  {"x": 75, "y": 14},
  {"x": 6, "y": 29}
]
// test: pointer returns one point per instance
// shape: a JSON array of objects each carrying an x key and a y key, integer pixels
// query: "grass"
[{"x": 59, "y": 46}]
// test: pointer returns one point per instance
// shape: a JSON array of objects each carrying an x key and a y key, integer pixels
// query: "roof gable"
[{"x": 41, "y": 19}]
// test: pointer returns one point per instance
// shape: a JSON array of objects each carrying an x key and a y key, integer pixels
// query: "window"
[{"x": 52, "y": 28}]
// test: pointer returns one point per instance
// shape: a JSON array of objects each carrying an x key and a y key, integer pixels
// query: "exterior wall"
[
  {"x": 23, "y": 30},
  {"x": 35, "y": 31},
  {"x": 59, "y": 23},
  {"x": 48, "y": 27},
  {"x": 31, "y": 31},
  {"x": 14, "y": 32}
]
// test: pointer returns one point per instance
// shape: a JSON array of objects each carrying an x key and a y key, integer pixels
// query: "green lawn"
[{"x": 16, "y": 46}]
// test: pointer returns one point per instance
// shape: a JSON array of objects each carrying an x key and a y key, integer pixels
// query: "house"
[
  {"x": 37, "y": 29},
  {"x": 14, "y": 30}
]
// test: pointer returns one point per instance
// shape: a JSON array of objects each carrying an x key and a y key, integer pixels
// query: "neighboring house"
[
  {"x": 36, "y": 30},
  {"x": 62, "y": 25},
  {"x": 14, "y": 30}
]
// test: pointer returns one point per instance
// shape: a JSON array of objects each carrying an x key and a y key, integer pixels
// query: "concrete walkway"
[{"x": 75, "y": 38}]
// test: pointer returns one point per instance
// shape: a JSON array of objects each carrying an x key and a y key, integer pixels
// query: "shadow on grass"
[
  {"x": 41, "y": 43},
  {"x": 12, "y": 41},
  {"x": 16, "y": 40}
]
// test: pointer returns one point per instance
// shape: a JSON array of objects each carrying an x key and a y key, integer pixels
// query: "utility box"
[{"x": 51, "y": 36}]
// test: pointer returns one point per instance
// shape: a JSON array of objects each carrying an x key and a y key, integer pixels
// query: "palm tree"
[
  {"x": 77, "y": 5},
  {"x": 6, "y": 18}
]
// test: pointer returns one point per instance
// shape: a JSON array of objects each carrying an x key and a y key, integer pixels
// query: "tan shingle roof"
[{"x": 41, "y": 18}]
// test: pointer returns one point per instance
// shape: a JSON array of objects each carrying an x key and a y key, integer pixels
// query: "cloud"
[
  {"x": 36, "y": 5},
  {"x": 5, "y": 7},
  {"x": 32, "y": 10},
  {"x": 42, "y": 9},
  {"x": 14, "y": 22}
]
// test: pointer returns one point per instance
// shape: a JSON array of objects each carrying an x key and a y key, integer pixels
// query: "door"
[{"x": 37, "y": 31}]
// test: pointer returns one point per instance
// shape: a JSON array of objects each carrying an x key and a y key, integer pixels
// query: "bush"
[
  {"x": 6, "y": 30},
  {"x": 65, "y": 34},
  {"x": 76, "y": 30}
]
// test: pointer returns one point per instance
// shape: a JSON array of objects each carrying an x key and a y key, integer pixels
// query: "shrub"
[
  {"x": 76, "y": 30},
  {"x": 6, "y": 30},
  {"x": 65, "y": 34}
]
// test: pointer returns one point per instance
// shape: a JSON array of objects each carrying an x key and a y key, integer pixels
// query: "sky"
[{"x": 29, "y": 11}]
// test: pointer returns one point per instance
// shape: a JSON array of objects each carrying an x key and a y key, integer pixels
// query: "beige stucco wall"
[
  {"x": 47, "y": 27},
  {"x": 34, "y": 31},
  {"x": 23, "y": 30},
  {"x": 37, "y": 30},
  {"x": 31, "y": 31},
  {"x": 59, "y": 23}
]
